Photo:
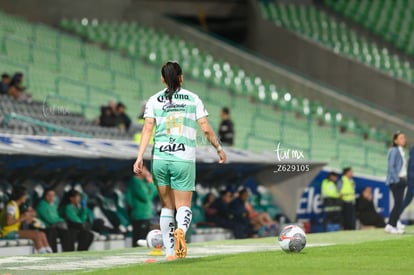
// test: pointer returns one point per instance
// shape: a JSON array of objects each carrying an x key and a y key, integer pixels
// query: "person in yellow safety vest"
[
  {"x": 332, "y": 204},
  {"x": 347, "y": 192}
]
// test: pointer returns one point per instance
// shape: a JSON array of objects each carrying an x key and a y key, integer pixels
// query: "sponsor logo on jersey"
[
  {"x": 172, "y": 147},
  {"x": 163, "y": 98},
  {"x": 173, "y": 107}
]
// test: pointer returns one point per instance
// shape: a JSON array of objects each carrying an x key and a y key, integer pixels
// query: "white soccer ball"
[
  {"x": 292, "y": 239},
  {"x": 154, "y": 239}
]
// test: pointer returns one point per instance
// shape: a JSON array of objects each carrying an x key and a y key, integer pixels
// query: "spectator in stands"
[
  {"x": 139, "y": 196},
  {"x": 332, "y": 204},
  {"x": 208, "y": 203},
  {"x": 107, "y": 118},
  {"x": 122, "y": 117},
  {"x": 240, "y": 213},
  {"x": 226, "y": 128},
  {"x": 11, "y": 220},
  {"x": 225, "y": 218},
  {"x": 4, "y": 84},
  {"x": 112, "y": 106},
  {"x": 396, "y": 180},
  {"x": 56, "y": 226},
  {"x": 76, "y": 214},
  {"x": 347, "y": 193},
  {"x": 410, "y": 180},
  {"x": 365, "y": 210},
  {"x": 17, "y": 90}
]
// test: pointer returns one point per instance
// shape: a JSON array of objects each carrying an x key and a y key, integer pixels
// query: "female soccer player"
[{"x": 175, "y": 113}]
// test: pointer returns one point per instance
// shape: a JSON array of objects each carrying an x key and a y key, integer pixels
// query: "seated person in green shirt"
[
  {"x": 139, "y": 195},
  {"x": 76, "y": 216},
  {"x": 56, "y": 226}
]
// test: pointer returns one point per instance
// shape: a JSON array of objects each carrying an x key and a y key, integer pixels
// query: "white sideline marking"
[{"x": 69, "y": 263}]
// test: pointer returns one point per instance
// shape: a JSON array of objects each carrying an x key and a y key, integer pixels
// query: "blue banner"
[{"x": 310, "y": 205}]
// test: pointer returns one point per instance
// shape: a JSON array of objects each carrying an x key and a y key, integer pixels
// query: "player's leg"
[
  {"x": 161, "y": 179},
  {"x": 183, "y": 185}
]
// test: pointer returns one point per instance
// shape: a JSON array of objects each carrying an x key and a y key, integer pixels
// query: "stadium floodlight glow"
[{"x": 84, "y": 21}]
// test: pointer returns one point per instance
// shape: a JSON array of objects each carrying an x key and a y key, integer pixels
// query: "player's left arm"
[{"x": 212, "y": 138}]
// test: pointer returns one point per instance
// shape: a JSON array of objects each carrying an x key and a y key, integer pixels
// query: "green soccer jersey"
[{"x": 175, "y": 124}]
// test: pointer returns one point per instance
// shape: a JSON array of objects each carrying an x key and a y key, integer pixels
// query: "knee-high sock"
[
  {"x": 167, "y": 230},
  {"x": 184, "y": 216}
]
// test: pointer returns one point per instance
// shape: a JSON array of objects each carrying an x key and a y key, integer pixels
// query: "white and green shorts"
[{"x": 179, "y": 175}]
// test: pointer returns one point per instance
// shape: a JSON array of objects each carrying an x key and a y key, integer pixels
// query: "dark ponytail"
[{"x": 171, "y": 73}]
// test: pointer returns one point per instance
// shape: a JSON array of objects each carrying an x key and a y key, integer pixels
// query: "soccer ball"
[
  {"x": 154, "y": 239},
  {"x": 292, "y": 239}
]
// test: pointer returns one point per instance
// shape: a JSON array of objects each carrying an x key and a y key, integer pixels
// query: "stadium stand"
[
  {"x": 309, "y": 21},
  {"x": 256, "y": 130},
  {"x": 100, "y": 71},
  {"x": 34, "y": 118},
  {"x": 391, "y": 21}
]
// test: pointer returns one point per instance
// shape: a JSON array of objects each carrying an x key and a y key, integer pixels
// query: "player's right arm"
[
  {"x": 212, "y": 138},
  {"x": 145, "y": 139}
]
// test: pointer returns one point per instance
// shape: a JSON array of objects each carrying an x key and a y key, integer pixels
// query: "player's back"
[{"x": 176, "y": 124}]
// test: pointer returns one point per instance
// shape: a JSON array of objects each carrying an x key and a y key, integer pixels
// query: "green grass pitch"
[{"x": 356, "y": 252}]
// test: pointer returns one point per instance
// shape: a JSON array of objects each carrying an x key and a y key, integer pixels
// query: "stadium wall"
[{"x": 323, "y": 64}]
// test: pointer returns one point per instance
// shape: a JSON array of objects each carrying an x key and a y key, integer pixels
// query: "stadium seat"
[{"x": 313, "y": 23}]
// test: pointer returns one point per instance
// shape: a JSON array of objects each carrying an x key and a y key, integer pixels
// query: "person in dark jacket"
[
  {"x": 123, "y": 118},
  {"x": 222, "y": 216},
  {"x": 226, "y": 128},
  {"x": 139, "y": 195},
  {"x": 410, "y": 180},
  {"x": 240, "y": 213},
  {"x": 365, "y": 210},
  {"x": 4, "y": 84}
]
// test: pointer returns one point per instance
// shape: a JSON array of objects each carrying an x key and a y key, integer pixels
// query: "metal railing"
[{"x": 51, "y": 128}]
